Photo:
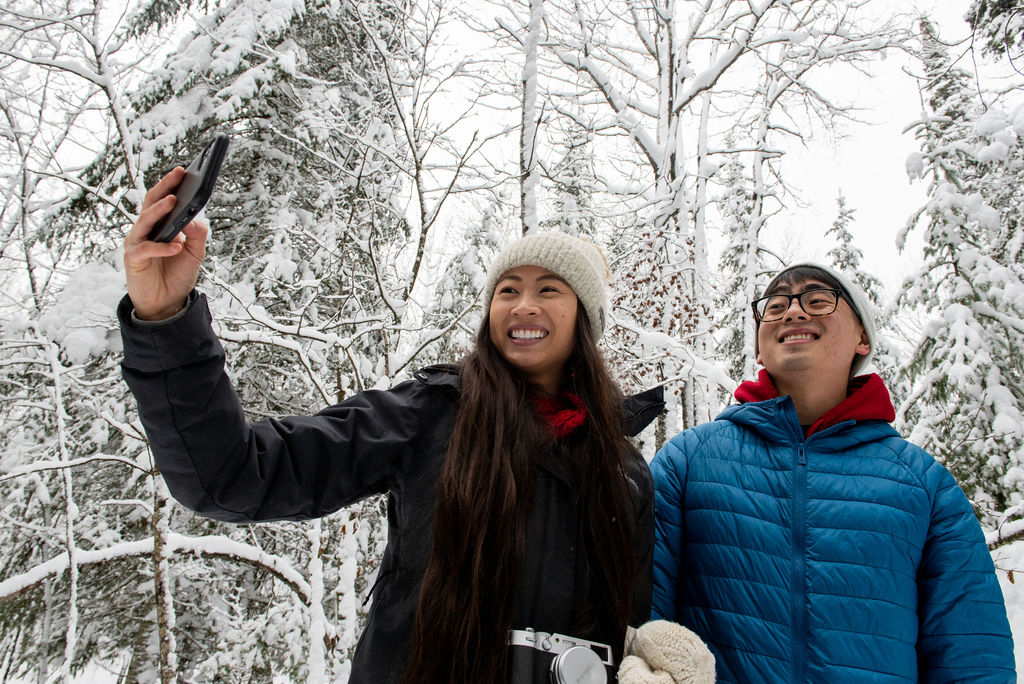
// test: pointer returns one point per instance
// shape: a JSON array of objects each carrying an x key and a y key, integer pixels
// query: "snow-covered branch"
[
  {"x": 205, "y": 547},
  {"x": 42, "y": 466}
]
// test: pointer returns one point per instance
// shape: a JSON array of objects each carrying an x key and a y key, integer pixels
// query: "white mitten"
[
  {"x": 662, "y": 652},
  {"x": 634, "y": 670}
]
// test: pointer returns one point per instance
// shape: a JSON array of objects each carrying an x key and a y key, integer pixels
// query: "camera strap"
[{"x": 557, "y": 643}]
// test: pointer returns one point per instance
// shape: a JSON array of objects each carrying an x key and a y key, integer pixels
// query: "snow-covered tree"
[
  {"x": 573, "y": 179},
  {"x": 848, "y": 258},
  {"x": 965, "y": 400},
  {"x": 739, "y": 267},
  {"x": 314, "y": 270},
  {"x": 666, "y": 81},
  {"x": 371, "y": 178},
  {"x": 998, "y": 25},
  {"x": 529, "y": 170},
  {"x": 81, "y": 490}
]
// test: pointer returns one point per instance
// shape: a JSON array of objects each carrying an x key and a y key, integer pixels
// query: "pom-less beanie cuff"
[{"x": 578, "y": 262}]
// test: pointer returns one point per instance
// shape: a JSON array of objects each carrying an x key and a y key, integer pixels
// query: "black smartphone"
[{"x": 194, "y": 190}]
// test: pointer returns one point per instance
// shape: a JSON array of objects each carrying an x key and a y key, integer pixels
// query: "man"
[{"x": 802, "y": 538}]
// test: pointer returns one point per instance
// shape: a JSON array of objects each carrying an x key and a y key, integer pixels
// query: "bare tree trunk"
[
  {"x": 165, "y": 613},
  {"x": 71, "y": 510},
  {"x": 528, "y": 174},
  {"x": 751, "y": 257},
  {"x": 317, "y": 630},
  {"x": 700, "y": 396},
  {"x": 42, "y": 669},
  {"x": 348, "y": 603}
]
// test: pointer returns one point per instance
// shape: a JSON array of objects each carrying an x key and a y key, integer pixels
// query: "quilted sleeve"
[
  {"x": 964, "y": 634},
  {"x": 669, "y": 471}
]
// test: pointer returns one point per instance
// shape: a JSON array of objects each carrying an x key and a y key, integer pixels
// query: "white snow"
[
  {"x": 82, "y": 318},
  {"x": 915, "y": 165},
  {"x": 1009, "y": 560}
]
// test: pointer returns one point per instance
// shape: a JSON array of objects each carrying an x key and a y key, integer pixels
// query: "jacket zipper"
[
  {"x": 799, "y": 615},
  {"x": 799, "y": 568}
]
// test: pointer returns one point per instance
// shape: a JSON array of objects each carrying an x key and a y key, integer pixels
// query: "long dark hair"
[{"x": 467, "y": 600}]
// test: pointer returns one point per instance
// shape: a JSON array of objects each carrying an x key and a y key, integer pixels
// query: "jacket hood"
[
  {"x": 642, "y": 408},
  {"x": 439, "y": 375},
  {"x": 867, "y": 399},
  {"x": 639, "y": 409}
]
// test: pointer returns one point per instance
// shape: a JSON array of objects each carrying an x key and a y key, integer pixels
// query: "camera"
[{"x": 563, "y": 659}]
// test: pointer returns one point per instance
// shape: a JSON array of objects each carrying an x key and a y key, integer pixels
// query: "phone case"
[{"x": 194, "y": 190}]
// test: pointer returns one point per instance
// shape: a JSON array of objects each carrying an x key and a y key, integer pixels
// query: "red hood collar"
[{"x": 866, "y": 399}]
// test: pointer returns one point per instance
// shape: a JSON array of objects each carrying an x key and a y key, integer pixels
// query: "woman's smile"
[
  {"x": 532, "y": 322},
  {"x": 527, "y": 335}
]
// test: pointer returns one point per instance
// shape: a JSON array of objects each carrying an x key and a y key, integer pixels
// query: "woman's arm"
[
  {"x": 644, "y": 541},
  {"x": 219, "y": 465}
]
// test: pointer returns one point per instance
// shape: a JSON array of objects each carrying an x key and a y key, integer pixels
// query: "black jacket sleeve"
[
  {"x": 640, "y": 410},
  {"x": 641, "y": 611},
  {"x": 217, "y": 464}
]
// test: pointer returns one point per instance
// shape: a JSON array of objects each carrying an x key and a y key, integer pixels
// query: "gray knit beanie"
[
  {"x": 578, "y": 262},
  {"x": 855, "y": 297}
]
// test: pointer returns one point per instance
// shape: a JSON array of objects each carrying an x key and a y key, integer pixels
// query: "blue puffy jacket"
[{"x": 847, "y": 556}]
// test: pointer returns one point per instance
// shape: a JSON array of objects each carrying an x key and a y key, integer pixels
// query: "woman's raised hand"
[{"x": 161, "y": 274}]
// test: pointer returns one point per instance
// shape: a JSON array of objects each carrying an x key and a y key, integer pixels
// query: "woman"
[{"x": 515, "y": 502}]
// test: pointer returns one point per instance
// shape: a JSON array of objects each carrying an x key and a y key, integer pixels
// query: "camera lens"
[{"x": 578, "y": 665}]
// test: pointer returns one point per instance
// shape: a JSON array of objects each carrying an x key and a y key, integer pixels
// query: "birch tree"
[{"x": 668, "y": 80}]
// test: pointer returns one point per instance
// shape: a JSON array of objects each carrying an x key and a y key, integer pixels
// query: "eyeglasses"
[{"x": 818, "y": 302}]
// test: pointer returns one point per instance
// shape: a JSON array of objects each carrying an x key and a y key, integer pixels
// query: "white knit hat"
[
  {"x": 578, "y": 262},
  {"x": 857, "y": 299},
  {"x": 662, "y": 652}
]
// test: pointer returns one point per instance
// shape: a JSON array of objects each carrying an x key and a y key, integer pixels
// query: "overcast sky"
[{"x": 868, "y": 165}]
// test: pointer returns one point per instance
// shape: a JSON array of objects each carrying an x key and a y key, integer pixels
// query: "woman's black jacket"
[{"x": 375, "y": 442}]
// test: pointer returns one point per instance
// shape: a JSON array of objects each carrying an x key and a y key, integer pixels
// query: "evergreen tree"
[
  {"x": 458, "y": 291},
  {"x": 966, "y": 376},
  {"x": 574, "y": 180},
  {"x": 304, "y": 278},
  {"x": 847, "y": 258},
  {"x": 734, "y": 294},
  {"x": 998, "y": 25}
]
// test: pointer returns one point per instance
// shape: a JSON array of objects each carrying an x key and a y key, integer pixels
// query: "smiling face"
[
  {"x": 800, "y": 346},
  {"x": 533, "y": 323}
]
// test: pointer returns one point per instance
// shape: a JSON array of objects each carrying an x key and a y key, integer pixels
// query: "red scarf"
[{"x": 561, "y": 414}]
